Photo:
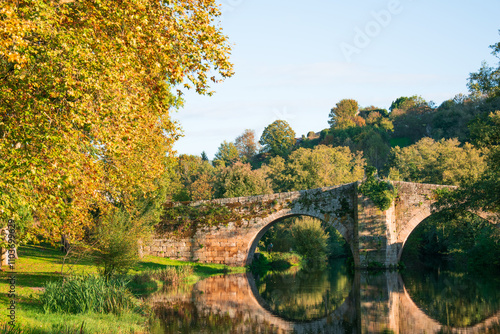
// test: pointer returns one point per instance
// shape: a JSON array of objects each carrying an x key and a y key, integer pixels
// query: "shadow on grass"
[
  {"x": 45, "y": 252},
  {"x": 48, "y": 253},
  {"x": 148, "y": 266},
  {"x": 35, "y": 280}
]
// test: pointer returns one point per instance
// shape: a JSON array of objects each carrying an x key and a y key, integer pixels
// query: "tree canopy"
[
  {"x": 278, "y": 138},
  {"x": 441, "y": 162},
  {"x": 487, "y": 80},
  {"x": 246, "y": 145},
  {"x": 86, "y": 97},
  {"x": 313, "y": 168},
  {"x": 345, "y": 115},
  {"x": 227, "y": 154}
]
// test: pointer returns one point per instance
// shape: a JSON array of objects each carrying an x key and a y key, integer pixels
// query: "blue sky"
[{"x": 294, "y": 60}]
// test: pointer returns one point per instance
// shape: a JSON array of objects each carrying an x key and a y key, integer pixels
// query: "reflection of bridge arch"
[
  {"x": 268, "y": 222},
  {"x": 334, "y": 321},
  {"x": 417, "y": 321},
  {"x": 375, "y": 303},
  {"x": 237, "y": 296}
]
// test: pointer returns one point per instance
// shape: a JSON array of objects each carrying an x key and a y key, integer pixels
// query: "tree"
[
  {"x": 194, "y": 178},
  {"x": 365, "y": 112},
  {"x": 487, "y": 80},
  {"x": 240, "y": 180},
  {"x": 85, "y": 102},
  {"x": 404, "y": 103},
  {"x": 310, "y": 239},
  {"x": 345, "y": 115},
  {"x": 278, "y": 138},
  {"x": 226, "y": 155},
  {"x": 411, "y": 117},
  {"x": 452, "y": 117},
  {"x": 313, "y": 168},
  {"x": 246, "y": 145},
  {"x": 437, "y": 162},
  {"x": 204, "y": 156},
  {"x": 481, "y": 193}
]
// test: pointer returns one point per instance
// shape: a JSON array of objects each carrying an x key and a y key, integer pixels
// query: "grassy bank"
[
  {"x": 38, "y": 265},
  {"x": 265, "y": 261}
]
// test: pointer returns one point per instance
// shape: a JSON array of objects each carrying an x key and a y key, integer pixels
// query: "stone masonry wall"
[{"x": 234, "y": 242}]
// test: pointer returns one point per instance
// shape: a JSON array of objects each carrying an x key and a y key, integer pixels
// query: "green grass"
[{"x": 39, "y": 264}]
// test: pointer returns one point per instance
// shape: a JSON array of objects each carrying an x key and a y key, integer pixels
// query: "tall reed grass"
[
  {"x": 167, "y": 275},
  {"x": 81, "y": 294}
]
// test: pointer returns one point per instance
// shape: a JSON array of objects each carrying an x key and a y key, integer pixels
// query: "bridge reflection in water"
[{"x": 232, "y": 304}]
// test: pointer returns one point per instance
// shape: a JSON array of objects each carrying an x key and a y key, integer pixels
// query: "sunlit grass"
[{"x": 40, "y": 264}]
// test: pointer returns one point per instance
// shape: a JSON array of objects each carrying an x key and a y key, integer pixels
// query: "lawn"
[{"x": 38, "y": 264}]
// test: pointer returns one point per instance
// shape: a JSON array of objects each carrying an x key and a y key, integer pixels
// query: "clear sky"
[{"x": 294, "y": 60}]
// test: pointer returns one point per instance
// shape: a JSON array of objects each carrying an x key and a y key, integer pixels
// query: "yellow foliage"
[{"x": 85, "y": 101}]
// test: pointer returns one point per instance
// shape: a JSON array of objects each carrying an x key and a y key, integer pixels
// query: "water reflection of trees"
[
  {"x": 305, "y": 295},
  {"x": 188, "y": 317},
  {"x": 454, "y": 299}
]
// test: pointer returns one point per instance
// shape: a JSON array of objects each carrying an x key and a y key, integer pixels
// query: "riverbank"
[
  {"x": 269, "y": 261},
  {"x": 39, "y": 264}
]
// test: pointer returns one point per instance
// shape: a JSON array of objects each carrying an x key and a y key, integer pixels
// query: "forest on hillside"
[{"x": 413, "y": 141}]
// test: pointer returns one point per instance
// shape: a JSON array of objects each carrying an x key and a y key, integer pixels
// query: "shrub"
[
  {"x": 115, "y": 244},
  {"x": 310, "y": 239},
  {"x": 382, "y": 193}
]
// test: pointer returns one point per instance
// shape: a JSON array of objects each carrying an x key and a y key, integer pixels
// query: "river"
[{"x": 332, "y": 300}]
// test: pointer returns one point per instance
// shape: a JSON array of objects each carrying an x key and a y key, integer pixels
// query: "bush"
[
  {"x": 116, "y": 244},
  {"x": 382, "y": 193},
  {"x": 310, "y": 239},
  {"x": 82, "y": 294}
]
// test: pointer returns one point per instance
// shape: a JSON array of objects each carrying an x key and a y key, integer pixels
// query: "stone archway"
[
  {"x": 416, "y": 220},
  {"x": 414, "y": 204},
  {"x": 268, "y": 222}
]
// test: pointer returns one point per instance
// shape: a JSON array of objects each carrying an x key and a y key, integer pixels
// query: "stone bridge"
[
  {"x": 375, "y": 304},
  {"x": 228, "y": 230}
]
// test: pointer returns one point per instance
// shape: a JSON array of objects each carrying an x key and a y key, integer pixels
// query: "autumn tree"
[
  {"x": 345, "y": 115},
  {"x": 246, "y": 145},
  {"x": 193, "y": 180},
  {"x": 227, "y": 154},
  {"x": 85, "y": 100},
  {"x": 278, "y": 138}
]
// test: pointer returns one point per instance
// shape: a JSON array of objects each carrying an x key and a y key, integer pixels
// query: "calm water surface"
[{"x": 332, "y": 301}]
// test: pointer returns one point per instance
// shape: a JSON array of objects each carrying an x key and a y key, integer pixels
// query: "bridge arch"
[
  {"x": 268, "y": 222},
  {"x": 417, "y": 219}
]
